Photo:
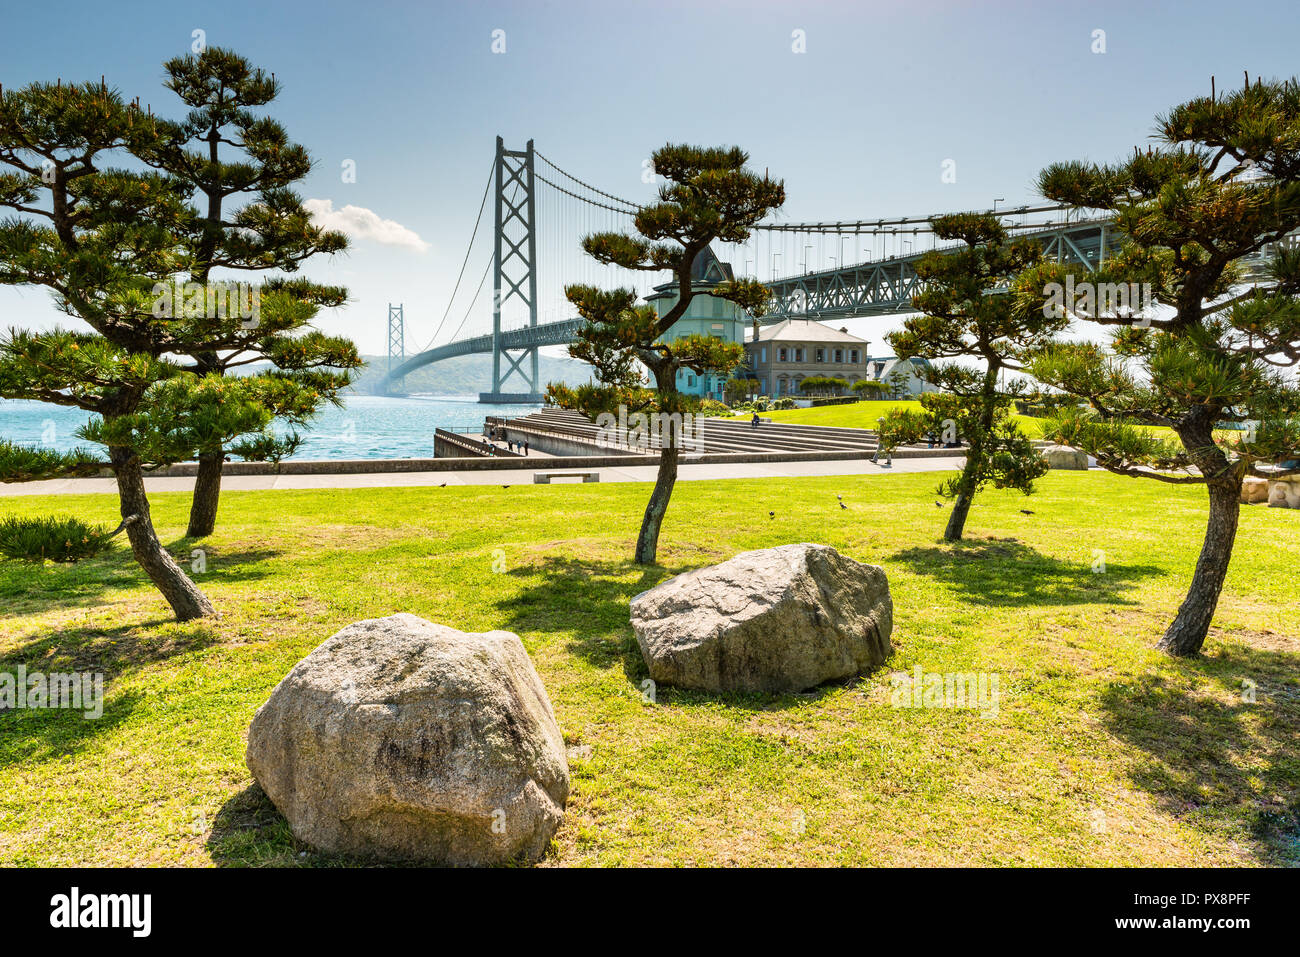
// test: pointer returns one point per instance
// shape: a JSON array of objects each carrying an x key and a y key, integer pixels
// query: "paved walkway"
[{"x": 629, "y": 473}]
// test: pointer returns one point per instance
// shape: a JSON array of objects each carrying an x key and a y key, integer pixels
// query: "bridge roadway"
[{"x": 863, "y": 289}]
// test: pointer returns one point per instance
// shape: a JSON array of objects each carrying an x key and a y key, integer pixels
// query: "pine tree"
[
  {"x": 968, "y": 313},
  {"x": 98, "y": 238},
  {"x": 1223, "y": 184},
  {"x": 709, "y": 194},
  {"x": 225, "y": 153}
]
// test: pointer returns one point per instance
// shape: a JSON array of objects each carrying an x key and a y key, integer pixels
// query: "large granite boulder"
[
  {"x": 399, "y": 739},
  {"x": 1254, "y": 490},
  {"x": 1065, "y": 457},
  {"x": 1284, "y": 492},
  {"x": 774, "y": 620}
]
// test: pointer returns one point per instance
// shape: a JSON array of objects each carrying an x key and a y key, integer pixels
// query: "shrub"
[
  {"x": 783, "y": 404},
  {"x": 823, "y": 385},
  {"x": 740, "y": 388},
  {"x": 52, "y": 538}
]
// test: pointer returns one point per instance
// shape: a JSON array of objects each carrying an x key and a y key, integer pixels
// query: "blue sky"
[{"x": 858, "y": 125}]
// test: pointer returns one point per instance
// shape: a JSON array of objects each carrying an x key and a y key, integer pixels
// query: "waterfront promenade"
[{"x": 621, "y": 473}]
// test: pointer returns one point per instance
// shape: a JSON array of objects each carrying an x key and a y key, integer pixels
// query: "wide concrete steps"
[{"x": 717, "y": 435}]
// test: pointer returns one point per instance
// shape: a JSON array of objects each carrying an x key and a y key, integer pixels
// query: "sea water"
[{"x": 367, "y": 427}]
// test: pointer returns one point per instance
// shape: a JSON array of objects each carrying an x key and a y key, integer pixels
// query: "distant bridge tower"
[
  {"x": 514, "y": 273},
  {"x": 396, "y": 344}
]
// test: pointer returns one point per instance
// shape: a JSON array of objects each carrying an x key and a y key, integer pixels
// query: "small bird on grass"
[
  {"x": 505, "y": 486},
  {"x": 771, "y": 514},
  {"x": 443, "y": 485},
  {"x": 938, "y": 504},
  {"x": 1026, "y": 511},
  {"x": 842, "y": 505}
]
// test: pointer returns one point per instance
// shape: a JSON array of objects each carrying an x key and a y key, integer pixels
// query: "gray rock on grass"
[
  {"x": 400, "y": 739},
  {"x": 775, "y": 620}
]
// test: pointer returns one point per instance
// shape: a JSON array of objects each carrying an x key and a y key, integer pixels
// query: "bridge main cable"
[{"x": 917, "y": 223}]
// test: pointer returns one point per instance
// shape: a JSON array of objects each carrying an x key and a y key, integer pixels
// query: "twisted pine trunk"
[
  {"x": 960, "y": 509},
  {"x": 207, "y": 495},
  {"x": 647, "y": 543},
  {"x": 1186, "y": 634},
  {"x": 182, "y": 594},
  {"x": 974, "y": 462}
]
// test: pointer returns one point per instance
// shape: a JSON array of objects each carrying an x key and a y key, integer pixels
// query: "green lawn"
[
  {"x": 1103, "y": 751},
  {"x": 852, "y": 415},
  {"x": 863, "y": 415}
]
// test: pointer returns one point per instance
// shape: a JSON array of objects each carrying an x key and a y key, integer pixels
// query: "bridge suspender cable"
[
  {"x": 482, "y": 206},
  {"x": 482, "y": 279}
]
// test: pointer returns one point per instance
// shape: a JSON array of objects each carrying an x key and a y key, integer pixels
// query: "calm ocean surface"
[{"x": 367, "y": 427}]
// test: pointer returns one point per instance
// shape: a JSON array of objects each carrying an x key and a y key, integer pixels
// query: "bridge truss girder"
[{"x": 886, "y": 287}]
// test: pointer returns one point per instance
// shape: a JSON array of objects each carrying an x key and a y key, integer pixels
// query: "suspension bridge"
[{"x": 817, "y": 270}]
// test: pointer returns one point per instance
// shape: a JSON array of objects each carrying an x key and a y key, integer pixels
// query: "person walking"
[{"x": 525, "y": 448}]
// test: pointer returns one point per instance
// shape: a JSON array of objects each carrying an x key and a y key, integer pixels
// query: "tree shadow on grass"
[
  {"x": 110, "y": 650},
  {"x": 27, "y": 588},
  {"x": 1211, "y": 755},
  {"x": 589, "y": 598},
  {"x": 31, "y": 735},
  {"x": 250, "y": 831},
  {"x": 592, "y": 599},
  {"x": 1007, "y": 573}
]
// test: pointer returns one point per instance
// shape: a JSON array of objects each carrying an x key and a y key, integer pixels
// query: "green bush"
[
  {"x": 823, "y": 385},
  {"x": 52, "y": 538},
  {"x": 713, "y": 407},
  {"x": 783, "y": 404},
  {"x": 869, "y": 388}
]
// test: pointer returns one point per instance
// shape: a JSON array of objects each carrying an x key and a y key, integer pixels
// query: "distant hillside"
[{"x": 469, "y": 375}]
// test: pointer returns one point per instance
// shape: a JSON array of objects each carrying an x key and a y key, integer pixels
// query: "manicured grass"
[
  {"x": 1102, "y": 750},
  {"x": 851, "y": 415},
  {"x": 863, "y": 415}
]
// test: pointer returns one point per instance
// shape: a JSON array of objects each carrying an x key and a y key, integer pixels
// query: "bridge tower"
[
  {"x": 514, "y": 273},
  {"x": 396, "y": 345}
]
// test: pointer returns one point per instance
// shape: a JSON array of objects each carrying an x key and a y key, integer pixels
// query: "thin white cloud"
[{"x": 357, "y": 222}]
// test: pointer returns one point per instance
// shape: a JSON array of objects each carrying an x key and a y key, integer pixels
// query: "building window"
[
  {"x": 839, "y": 355},
  {"x": 763, "y": 355},
  {"x": 798, "y": 354},
  {"x": 781, "y": 355},
  {"x": 853, "y": 356},
  {"x": 821, "y": 355}
]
